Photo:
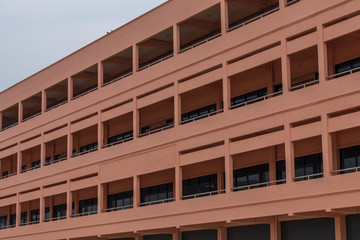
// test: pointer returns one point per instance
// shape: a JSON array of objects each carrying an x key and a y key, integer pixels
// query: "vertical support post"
[
  {"x": 229, "y": 171},
  {"x": 18, "y": 210},
  {"x": 70, "y": 89},
  {"x": 220, "y": 179},
  {"x": 322, "y": 54},
  {"x": 1, "y": 121},
  {"x": 42, "y": 205},
  {"x": 178, "y": 178},
  {"x": 101, "y": 194},
  {"x": 285, "y": 68},
  {"x": 275, "y": 229},
  {"x": 326, "y": 146},
  {"x": 100, "y": 131},
  {"x": 176, "y": 39},
  {"x": 136, "y": 119},
  {"x": 340, "y": 228},
  {"x": 21, "y": 112},
  {"x": 135, "y": 58},
  {"x": 69, "y": 200},
  {"x": 69, "y": 142},
  {"x": 282, "y": 4},
  {"x": 43, "y": 101},
  {"x": 42, "y": 151},
  {"x": 100, "y": 74},
  {"x": 224, "y": 17},
  {"x": 289, "y": 155},
  {"x": 226, "y": 88},
  {"x": 272, "y": 164},
  {"x": 222, "y": 233},
  {"x": 19, "y": 159},
  {"x": 136, "y": 191},
  {"x": 177, "y": 105}
]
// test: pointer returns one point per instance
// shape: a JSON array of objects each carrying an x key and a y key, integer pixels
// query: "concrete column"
[
  {"x": 326, "y": 146},
  {"x": 1, "y": 120},
  {"x": 177, "y": 105},
  {"x": 220, "y": 179},
  {"x": 43, "y": 101},
  {"x": 289, "y": 155},
  {"x": 272, "y": 164},
  {"x": 176, "y": 39},
  {"x": 19, "y": 159},
  {"x": 42, "y": 205},
  {"x": 222, "y": 233},
  {"x": 136, "y": 119},
  {"x": 322, "y": 54},
  {"x": 101, "y": 194},
  {"x": 275, "y": 229},
  {"x": 70, "y": 89},
  {"x": 285, "y": 68},
  {"x": 229, "y": 169},
  {"x": 18, "y": 211},
  {"x": 100, "y": 133},
  {"x": 224, "y": 16},
  {"x": 340, "y": 228},
  {"x": 282, "y": 4},
  {"x": 136, "y": 191},
  {"x": 69, "y": 142},
  {"x": 135, "y": 56},
  {"x": 21, "y": 112},
  {"x": 69, "y": 201},
  {"x": 178, "y": 180},
  {"x": 100, "y": 74},
  {"x": 226, "y": 88},
  {"x": 42, "y": 151}
]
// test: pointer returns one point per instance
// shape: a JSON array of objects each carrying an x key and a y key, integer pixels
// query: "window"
[
  {"x": 59, "y": 211},
  {"x": 250, "y": 176},
  {"x": 5, "y": 174},
  {"x": 156, "y": 193},
  {"x": 198, "y": 112},
  {"x": 88, "y": 206},
  {"x": 3, "y": 222},
  {"x": 13, "y": 220},
  {"x": 199, "y": 185},
  {"x": 350, "y": 158},
  {"x": 23, "y": 218},
  {"x": 308, "y": 165},
  {"x": 346, "y": 66},
  {"x": 120, "y": 137},
  {"x": 278, "y": 88},
  {"x": 47, "y": 160},
  {"x": 122, "y": 199},
  {"x": 47, "y": 214},
  {"x": 35, "y": 216},
  {"x": 36, "y": 164},
  {"x": 280, "y": 171},
  {"x": 237, "y": 101},
  {"x": 23, "y": 168},
  {"x": 89, "y": 147}
]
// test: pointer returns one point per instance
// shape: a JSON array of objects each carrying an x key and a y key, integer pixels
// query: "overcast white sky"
[{"x": 37, "y": 33}]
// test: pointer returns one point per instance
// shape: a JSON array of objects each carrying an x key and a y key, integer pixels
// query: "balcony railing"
[
  {"x": 84, "y": 152},
  {"x": 30, "y": 223},
  {"x": 83, "y": 214},
  {"x": 300, "y": 86},
  {"x": 9, "y": 126},
  {"x": 156, "y": 202},
  {"x": 57, "y": 105},
  {"x": 55, "y": 161},
  {"x": 309, "y": 177},
  {"x": 202, "y": 116},
  {"x": 156, "y": 62},
  {"x": 6, "y": 227},
  {"x": 254, "y": 19},
  {"x": 156, "y": 130},
  {"x": 200, "y": 42},
  {"x": 256, "y": 100},
  {"x": 203, "y": 194},
  {"x": 9, "y": 175},
  {"x": 117, "y": 208},
  {"x": 118, "y": 142},
  {"x": 55, "y": 219},
  {"x": 117, "y": 79},
  {"x": 84, "y": 93},
  {"x": 30, "y": 169},
  {"x": 346, "y": 170},
  {"x": 292, "y": 2},
  {"x": 341, "y": 74},
  {"x": 258, "y": 185},
  {"x": 31, "y": 117}
]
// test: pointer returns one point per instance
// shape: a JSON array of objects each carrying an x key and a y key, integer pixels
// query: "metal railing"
[
  {"x": 309, "y": 177},
  {"x": 256, "y": 100},
  {"x": 31, "y": 117},
  {"x": 10, "y": 126},
  {"x": 57, "y": 105},
  {"x": 118, "y": 208},
  {"x": 6, "y": 227},
  {"x": 257, "y": 185},
  {"x": 156, "y": 62},
  {"x": 304, "y": 85},
  {"x": 9, "y": 175},
  {"x": 83, "y": 214},
  {"x": 351, "y": 71},
  {"x": 30, "y": 169},
  {"x": 55, "y": 161},
  {"x": 55, "y": 219},
  {"x": 156, "y": 202},
  {"x": 156, "y": 130},
  {"x": 84, "y": 93},
  {"x": 200, "y": 42},
  {"x": 118, "y": 142},
  {"x": 292, "y": 2},
  {"x": 202, "y": 116},
  {"x": 30, "y": 223},
  {"x": 254, "y": 19},
  {"x": 346, "y": 170},
  {"x": 84, "y": 152},
  {"x": 203, "y": 194},
  {"x": 117, "y": 79}
]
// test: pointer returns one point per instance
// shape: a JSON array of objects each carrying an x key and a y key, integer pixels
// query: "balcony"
[
  {"x": 8, "y": 166},
  {"x": 85, "y": 141},
  {"x": 117, "y": 67},
  {"x": 85, "y": 82},
  {"x": 84, "y": 202},
  {"x": 156, "y": 49},
  {"x": 56, "y": 151},
  {"x": 119, "y": 195},
  {"x": 8, "y": 217},
  {"x": 31, "y": 107},
  {"x": 118, "y": 130},
  {"x": 10, "y": 117},
  {"x": 200, "y": 29},
  {"x": 30, "y": 159},
  {"x": 55, "y": 208},
  {"x": 241, "y": 13},
  {"x": 56, "y": 95},
  {"x": 30, "y": 213}
]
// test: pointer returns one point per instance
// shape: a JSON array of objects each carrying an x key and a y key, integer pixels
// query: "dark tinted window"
[
  {"x": 312, "y": 229},
  {"x": 158, "y": 192},
  {"x": 158, "y": 237},
  {"x": 198, "y": 112},
  {"x": 120, "y": 199},
  {"x": 88, "y": 205},
  {"x": 198, "y": 185},
  {"x": 353, "y": 227},
  {"x": 350, "y": 157},
  {"x": 59, "y": 211},
  {"x": 120, "y": 137},
  {"x": 249, "y": 96},
  {"x": 210, "y": 234},
  {"x": 308, "y": 165},
  {"x": 346, "y": 66},
  {"x": 251, "y": 175},
  {"x": 3, "y": 222},
  {"x": 280, "y": 170},
  {"x": 253, "y": 232}
]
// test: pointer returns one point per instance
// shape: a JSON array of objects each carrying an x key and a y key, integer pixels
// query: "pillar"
[
  {"x": 176, "y": 39},
  {"x": 135, "y": 58},
  {"x": 19, "y": 159},
  {"x": 178, "y": 180},
  {"x": 340, "y": 228},
  {"x": 177, "y": 105},
  {"x": 42, "y": 205},
  {"x": 224, "y": 16},
  {"x": 69, "y": 201},
  {"x": 226, "y": 88},
  {"x": 20, "y": 112},
  {"x": 42, "y": 151},
  {"x": 326, "y": 146},
  {"x": 100, "y": 74},
  {"x": 51, "y": 207},
  {"x": 69, "y": 142},
  {"x": 18, "y": 210},
  {"x": 272, "y": 164},
  {"x": 285, "y": 68},
  {"x": 275, "y": 229},
  {"x": 101, "y": 194},
  {"x": 136, "y": 119},
  {"x": 70, "y": 89},
  {"x": 136, "y": 190},
  {"x": 229, "y": 171},
  {"x": 1, "y": 121},
  {"x": 100, "y": 131},
  {"x": 282, "y": 4},
  {"x": 322, "y": 54},
  {"x": 289, "y": 155},
  {"x": 220, "y": 179},
  {"x": 43, "y": 101},
  {"x": 222, "y": 233}
]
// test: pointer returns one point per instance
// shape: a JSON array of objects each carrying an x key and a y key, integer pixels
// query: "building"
[{"x": 206, "y": 119}]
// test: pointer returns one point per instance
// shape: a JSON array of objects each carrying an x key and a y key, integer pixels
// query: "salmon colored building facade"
[{"x": 205, "y": 119}]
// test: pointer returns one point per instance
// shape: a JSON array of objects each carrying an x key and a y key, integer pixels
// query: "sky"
[{"x": 36, "y": 33}]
